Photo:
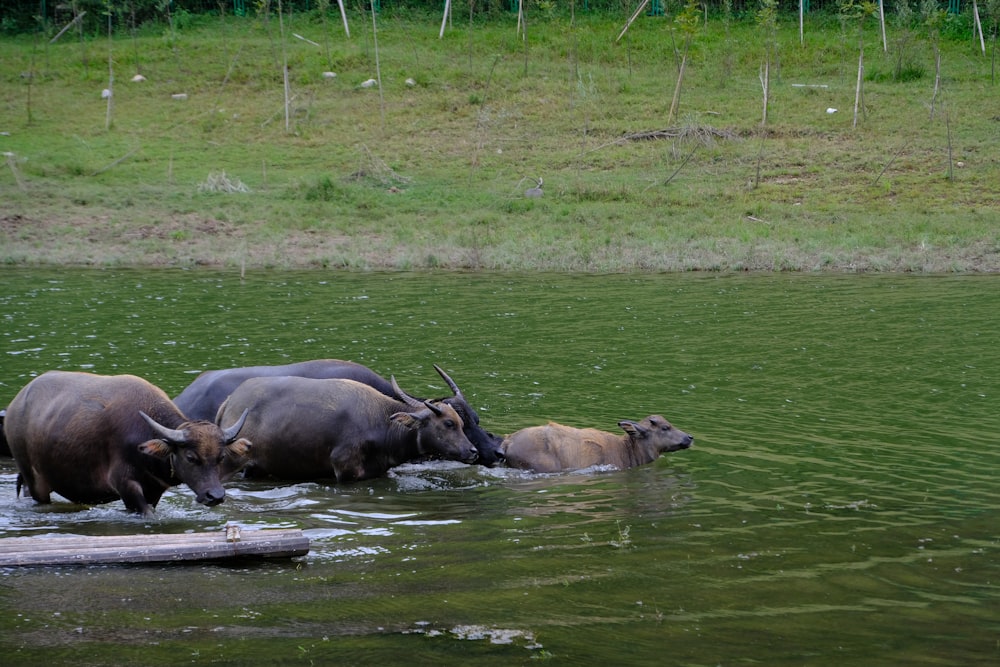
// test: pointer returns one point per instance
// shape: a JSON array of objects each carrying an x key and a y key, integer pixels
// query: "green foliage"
[
  {"x": 688, "y": 19},
  {"x": 991, "y": 12},
  {"x": 767, "y": 16},
  {"x": 933, "y": 16},
  {"x": 858, "y": 10},
  {"x": 907, "y": 66}
]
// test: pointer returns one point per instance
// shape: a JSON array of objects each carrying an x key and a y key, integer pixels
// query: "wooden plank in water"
[{"x": 83, "y": 550}]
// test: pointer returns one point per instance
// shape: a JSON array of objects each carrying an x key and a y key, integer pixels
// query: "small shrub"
[
  {"x": 906, "y": 73},
  {"x": 324, "y": 190}
]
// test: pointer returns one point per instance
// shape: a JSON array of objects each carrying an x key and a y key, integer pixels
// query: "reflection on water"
[{"x": 839, "y": 505}]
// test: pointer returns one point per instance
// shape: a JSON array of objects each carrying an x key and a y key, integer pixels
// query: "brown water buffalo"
[
  {"x": 555, "y": 448},
  {"x": 94, "y": 439},
  {"x": 309, "y": 429},
  {"x": 201, "y": 399}
]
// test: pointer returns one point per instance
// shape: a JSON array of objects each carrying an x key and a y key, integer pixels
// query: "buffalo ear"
[
  {"x": 408, "y": 419},
  {"x": 156, "y": 448},
  {"x": 239, "y": 449},
  {"x": 632, "y": 429}
]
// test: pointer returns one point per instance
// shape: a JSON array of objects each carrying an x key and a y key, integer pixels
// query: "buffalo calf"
[{"x": 555, "y": 448}]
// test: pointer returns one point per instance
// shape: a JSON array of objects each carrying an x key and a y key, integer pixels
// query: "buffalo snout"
[
  {"x": 212, "y": 497},
  {"x": 684, "y": 442},
  {"x": 488, "y": 448}
]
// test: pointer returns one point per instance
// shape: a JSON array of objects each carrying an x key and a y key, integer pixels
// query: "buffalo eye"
[
  {"x": 448, "y": 423},
  {"x": 192, "y": 457}
]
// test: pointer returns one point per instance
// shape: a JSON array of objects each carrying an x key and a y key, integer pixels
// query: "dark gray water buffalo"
[
  {"x": 555, "y": 448},
  {"x": 202, "y": 398},
  {"x": 309, "y": 429},
  {"x": 94, "y": 439}
]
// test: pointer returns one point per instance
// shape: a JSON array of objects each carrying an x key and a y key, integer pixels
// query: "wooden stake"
[
  {"x": 628, "y": 23},
  {"x": 111, "y": 76},
  {"x": 881, "y": 20},
  {"x": 951, "y": 159},
  {"x": 444, "y": 17},
  {"x": 801, "y": 21},
  {"x": 675, "y": 103},
  {"x": 343, "y": 16},
  {"x": 765, "y": 82},
  {"x": 681, "y": 166},
  {"x": 857, "y": 90},
  {"x": 937, "y": 77},
  {"x": 76, "y": 19},
  {"x": 889, "y": 163},
  {"x": 978, "y": 26},
  {"x": 284, "y": 68},
  {"x": 117, "y": 162},
  {"x": 378, "y": 69}
]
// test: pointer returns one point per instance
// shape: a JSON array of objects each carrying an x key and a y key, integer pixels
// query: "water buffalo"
[
  {"x": 94, "y": 439},
  {"x": 555, "y": 448},
  {"x": 202, "y": 398},
  {"x": 310, "y": 429}
]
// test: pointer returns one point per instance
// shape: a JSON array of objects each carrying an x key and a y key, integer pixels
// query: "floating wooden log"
[{"x": 232, "y": 542}]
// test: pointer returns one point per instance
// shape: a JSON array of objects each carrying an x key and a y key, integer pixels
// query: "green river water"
[{"x": 840, "y": 505}]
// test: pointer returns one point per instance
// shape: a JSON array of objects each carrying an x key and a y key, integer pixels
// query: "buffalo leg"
[
  {"x": 134, "y": 499},
  {"x": 42, "y": 493}
]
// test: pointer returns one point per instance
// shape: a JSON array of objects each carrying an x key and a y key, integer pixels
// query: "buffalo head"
[
  {"x": 657, "y": 434},
  {"x": 487, "y": 444},
  {"x": 440, "y": 429},
  {"x": 195, "y": 450}
]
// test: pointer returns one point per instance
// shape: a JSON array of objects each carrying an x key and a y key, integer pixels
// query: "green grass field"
[{"x": 430, "y": 169}]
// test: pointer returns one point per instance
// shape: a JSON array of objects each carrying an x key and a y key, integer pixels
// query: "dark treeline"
[{"x": 29, "y": 16}]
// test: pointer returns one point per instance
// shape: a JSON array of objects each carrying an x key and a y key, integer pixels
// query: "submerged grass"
[{"x": 433, "y": 172}]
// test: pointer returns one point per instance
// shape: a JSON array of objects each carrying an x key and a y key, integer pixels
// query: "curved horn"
[
  {"x": 168, "y": 434},
  {"x": 451, "y": 383},
  {"x": 403, "y": 396},
  {"x": 433, "y": 408},
  {"x": 230, "y": 433}
]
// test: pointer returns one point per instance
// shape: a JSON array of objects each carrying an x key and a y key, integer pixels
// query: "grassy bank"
[{"x": 431, "y": 172}]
